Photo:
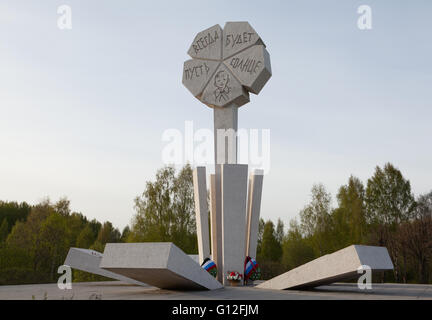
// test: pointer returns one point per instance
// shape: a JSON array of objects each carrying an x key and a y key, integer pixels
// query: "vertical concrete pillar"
[
  {"x": 253, "y": 211},
  {"x": 201, "y": 212},
  {"x": 234, "y": 178},
  {"x": 225, "y": 134},
  {"x": 225, "y": 151},
  {"x": 216, "y": 229}
]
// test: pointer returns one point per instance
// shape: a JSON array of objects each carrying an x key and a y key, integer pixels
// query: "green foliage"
[
  {"x": 270, "y": 269},
  {"x": 52, "y": 244},
  {"x": 165, "y": 211},
  {"x": 95, "y": 226},
  {"x": 98, "y": 246},
  {"x": 85, "y": 238},
  {"x": 82, "y": 276},
  {"x": 424, "y": 205},
  {"x": 13, "y": 212},
  {"x": 389, "y": 200},
  {"x": 296, "y": 249},
  {"x": 38, "y": 245},
  {"x": 279, "y": 233},
  {"x": 349, "y": 219},
  {"x": 125, "y": 234},
  {"x": 76, "y": 223},
  {"x": 271, "y": 248},
  {"x": 389, "y": 204},
  {"x": 385, "y": 214},
  {"x": 260, "y": 235},
  {"x": 4, "y": 230},
  {"x": 415, "y": 245},
  {"x": 108, "y": 234},
  {"x": 316, "y": 220},
  {"x": 16, "y": 266},
  {"x": 34, "y": 240}
]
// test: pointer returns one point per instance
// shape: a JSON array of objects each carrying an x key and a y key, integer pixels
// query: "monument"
[{"x": 226, "y": 66}]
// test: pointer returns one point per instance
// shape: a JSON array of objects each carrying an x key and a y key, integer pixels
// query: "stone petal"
[
  {"x": 224, "y": 89},
  {"x": 207, "y": 44},
  {"x": 252, "y": 67},
  {"x": 197, "y": 73},
  {"x": 238, "y": 36}
]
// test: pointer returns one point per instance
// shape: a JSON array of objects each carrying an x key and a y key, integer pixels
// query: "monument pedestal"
[
  {"x": 234, "y": 178},
  {"x": 234, "y": 228}
]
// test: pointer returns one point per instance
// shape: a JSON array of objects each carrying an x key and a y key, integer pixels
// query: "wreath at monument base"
[
  {"x": 252, "y": 269},
  {"x": 210, "y": 266},
  {"x": 234, "y": 276}
]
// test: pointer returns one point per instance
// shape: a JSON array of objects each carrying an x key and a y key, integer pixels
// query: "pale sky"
[{"x": 82, "y": 111}]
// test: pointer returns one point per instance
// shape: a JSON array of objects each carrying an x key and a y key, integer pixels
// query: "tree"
[
  {"x": 260, "y": 235},
  {"x": 280, "y": 231},
  {"x": 424, "y": 205},
  {"x": 95, "y": 226},
  {"x": 15, "y": 266},
  {"x": 76, "y": 223},
  {"x": 295, "y": 249},
  {"x": 415, "y": 241},
  {"x": 389, "y": 200},
  {"x": 98, "y": 246},
  {"x": 63, "y": 206},
  {"x": 25, "y": 234},
  {"x": 4, "y": 230},
  {"x": 349, "y": 219},
  {"x": 53, "y": 243},
  {"x": 184, "y": 207},
  {"x": 154, "y": 209},
  {"x": 107, "y": 234},
  {"x": 271, "y": 249},
  {"x": 86, "y": 237},
  {"x": 316, "y": 219},
  {"x": 389, "y": 203},
  {"x": 415, "y": 238},
  {"x": 125, "y": 234},
  {"x": 37, "y": 245},
  {"x": 165, "y": 210},
  {"x": 20, "y": 236},
  {"x": 13, "y": 212}
]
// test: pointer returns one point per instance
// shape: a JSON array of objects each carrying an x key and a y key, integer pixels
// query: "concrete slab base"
[
  {"x": 88, "y": 260},
  {"x": 338, "y": 266},
  {"x": 116, "y": 290},
  {"x": 160, "y": 264}
]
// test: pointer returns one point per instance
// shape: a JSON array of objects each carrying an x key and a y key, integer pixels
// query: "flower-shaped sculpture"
[{"x": 226, "y": 65}]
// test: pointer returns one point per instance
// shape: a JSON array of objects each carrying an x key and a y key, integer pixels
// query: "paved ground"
[{"x": 120, "y": 291}]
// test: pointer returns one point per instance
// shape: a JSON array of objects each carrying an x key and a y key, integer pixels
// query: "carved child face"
[{"x": 221, "y": 79}]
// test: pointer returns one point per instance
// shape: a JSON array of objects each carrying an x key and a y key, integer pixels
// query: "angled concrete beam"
[
  {"x": 89, "y": 261},
  {"x": 253, "y": 211},
  {"x": 160, "y": 264},
  {"x": 201, "y": 212},
  {"x": 339, "y": 266}
]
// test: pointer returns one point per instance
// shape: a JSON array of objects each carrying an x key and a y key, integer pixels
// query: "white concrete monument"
[
  {"x": 253, "y": 211},
  {"x": 89, "y": 260},
  {"x": 160, "y": 264},
  {"x": 226, "y": 65},
  {"x": 338, "y": 266},
  {"x": 201, "y": 213}
]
